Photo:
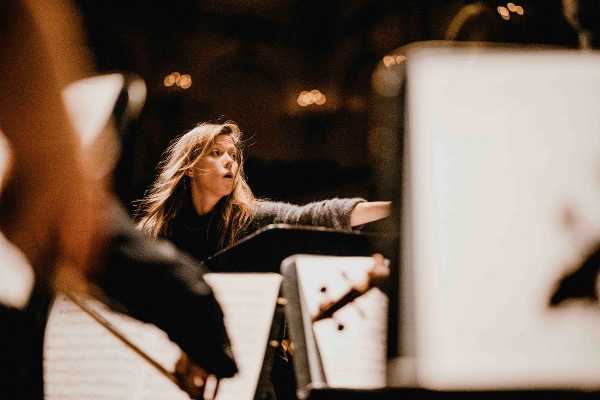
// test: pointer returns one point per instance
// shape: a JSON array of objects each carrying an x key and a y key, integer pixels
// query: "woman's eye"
[{"x": 215, "y": 152}]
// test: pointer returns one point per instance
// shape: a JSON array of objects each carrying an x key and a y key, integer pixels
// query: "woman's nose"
[{"x": 228, "y": 160}]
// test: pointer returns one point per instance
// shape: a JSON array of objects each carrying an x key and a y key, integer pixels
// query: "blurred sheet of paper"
[{"x": 504, "y": 145}]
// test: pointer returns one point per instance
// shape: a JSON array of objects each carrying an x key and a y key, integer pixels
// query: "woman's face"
[{"x": 215, "y": 172}]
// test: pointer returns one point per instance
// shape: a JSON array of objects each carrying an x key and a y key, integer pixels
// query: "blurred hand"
[{"x": 194, "y": 380}]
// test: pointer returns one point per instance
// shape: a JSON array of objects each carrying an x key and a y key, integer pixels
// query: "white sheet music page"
[
  {"x": 248, "y": 301},
  {"x": 83, "y": 360},
  {"x": 352, "y": 344}
]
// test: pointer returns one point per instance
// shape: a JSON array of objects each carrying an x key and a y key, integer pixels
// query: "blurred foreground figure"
[{"x": 57, "y": 211}]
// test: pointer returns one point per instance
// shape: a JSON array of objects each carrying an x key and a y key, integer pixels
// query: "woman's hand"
[{"x": 370, "y": 211}]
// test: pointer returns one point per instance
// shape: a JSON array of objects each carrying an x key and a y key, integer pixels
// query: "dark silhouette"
[{"x": 580, "y": 283}]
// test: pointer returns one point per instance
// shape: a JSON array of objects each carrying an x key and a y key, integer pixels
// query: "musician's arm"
[{"x": 157, "y": 283}]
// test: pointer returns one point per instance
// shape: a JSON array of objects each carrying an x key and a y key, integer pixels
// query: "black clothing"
[
  {"x": 198, "y": 235},
  {"x": 21, "y": 347},
  {"x": 158, "y": 284}
]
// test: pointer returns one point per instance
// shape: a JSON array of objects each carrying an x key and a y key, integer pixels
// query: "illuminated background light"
[
  {"x": 388, "y": 60},
  {"x": 307, "y": 98},
  {"x": 169, "y": 80},
  {"x": 504, "y": 13},
  {"x": 302, "y": 99},
  {"x": 185, "y": 81},
  {"x": 321, "y": 99}
]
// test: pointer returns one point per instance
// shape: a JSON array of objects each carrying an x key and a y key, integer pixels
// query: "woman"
[{"x": 202, "y": 203}]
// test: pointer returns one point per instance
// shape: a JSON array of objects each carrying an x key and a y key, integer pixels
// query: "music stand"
[{"x": 264, "y": 250}]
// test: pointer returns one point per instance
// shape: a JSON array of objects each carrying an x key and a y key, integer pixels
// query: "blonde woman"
[{"x": 202, "y": 203}]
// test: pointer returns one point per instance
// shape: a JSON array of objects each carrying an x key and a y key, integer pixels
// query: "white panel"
[{"x": 504, "y": 145}]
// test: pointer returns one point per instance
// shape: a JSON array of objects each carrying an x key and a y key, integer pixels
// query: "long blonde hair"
[{"x": 168, "y": 193}]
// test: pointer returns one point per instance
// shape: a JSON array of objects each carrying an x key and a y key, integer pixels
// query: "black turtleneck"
[{"x": 197, "y": 235}]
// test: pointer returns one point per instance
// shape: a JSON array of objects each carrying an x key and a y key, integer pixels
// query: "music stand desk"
[{"x": 264, "y": 250}]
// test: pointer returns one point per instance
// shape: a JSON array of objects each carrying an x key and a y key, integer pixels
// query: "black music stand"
[{"x": 264, "y": 250}]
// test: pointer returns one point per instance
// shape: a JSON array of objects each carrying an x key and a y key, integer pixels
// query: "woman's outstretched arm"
[{"x": 333, "y": 213}]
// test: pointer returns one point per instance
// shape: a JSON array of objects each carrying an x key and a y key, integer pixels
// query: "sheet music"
[
  {"x": 248, "y": 302},
  {"x": 355, "y": 356},
  {"x": 83, "y": 360}
]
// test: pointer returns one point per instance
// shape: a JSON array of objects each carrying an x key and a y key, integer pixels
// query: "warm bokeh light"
[
  {"x": 306, "y": 98},
  {"x": 302, "y": 99},
  {"x": 388, "y": 61},
  {"x": 511, "y": 7},
  {"x": 185, "y": 81},
  {"x": 391, "y": 60},
  {"x": 504, "y": 13},
  {"x": 321, "y": 99},
  {"x": 519, "y": 10},
  {"x": 400, "y": 59},
  {"x": 169, "y": 80}
]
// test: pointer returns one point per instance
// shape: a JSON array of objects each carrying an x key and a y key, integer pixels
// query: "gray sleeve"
[{"x": 332, "y": 213}]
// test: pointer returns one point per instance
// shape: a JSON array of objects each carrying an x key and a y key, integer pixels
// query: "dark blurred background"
[{"x": 250, "y": 60}]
